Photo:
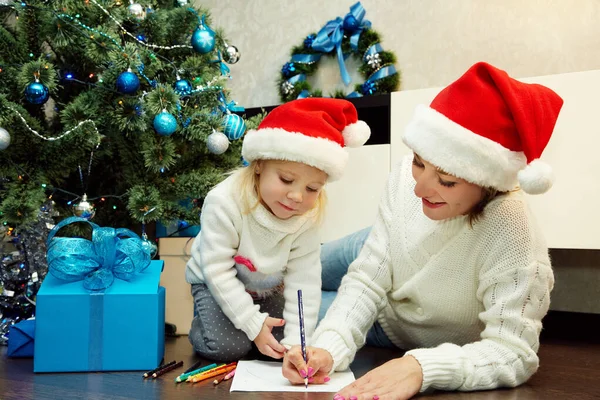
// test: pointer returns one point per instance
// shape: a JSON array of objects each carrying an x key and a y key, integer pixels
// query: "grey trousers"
[{"x": 212, "y": 334}]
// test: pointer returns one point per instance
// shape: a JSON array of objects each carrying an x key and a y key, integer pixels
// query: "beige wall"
[{"x": 434, "y": 40}]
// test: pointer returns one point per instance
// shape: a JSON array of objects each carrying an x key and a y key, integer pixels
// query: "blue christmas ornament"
[
  {"x": 37, "y": 93},
  {"x": 203, "y": 39},
  {"x": 128, "y": 82},
  {"x": 288, "y": 68},
  {"x": 350, "y": 23},
  {"x": 165, "y": 123},
  {"x": 309, "y": 41},
  {"x": 233, "y": 126},
  {"x": 182, "y": 87}
]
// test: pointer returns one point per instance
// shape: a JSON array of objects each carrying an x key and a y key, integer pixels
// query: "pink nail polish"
[
  {"x": 375, "y": 397},
  {"x": 353, "y": 398},
  {"x": 303, "y": 373},
  {"x": 327, "y": 379},
  {"x": 338, "y": 397},
  {"x": 310, "y": 371},
  {"x": 311, "y": 380}
]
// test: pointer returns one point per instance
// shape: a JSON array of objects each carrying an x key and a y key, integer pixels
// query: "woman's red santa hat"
[
  {"x": 312, "y": 131},
  {"x": 488, "y": 129}
]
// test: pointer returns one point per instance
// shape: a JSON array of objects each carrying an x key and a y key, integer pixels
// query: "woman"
[{"x": 455, "y": 269}]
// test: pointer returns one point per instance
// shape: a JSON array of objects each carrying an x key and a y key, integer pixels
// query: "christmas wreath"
[{"x": 341, "y": 37}]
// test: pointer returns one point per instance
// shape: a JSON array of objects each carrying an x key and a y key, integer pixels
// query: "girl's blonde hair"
[{"x": 249, "y": 179}]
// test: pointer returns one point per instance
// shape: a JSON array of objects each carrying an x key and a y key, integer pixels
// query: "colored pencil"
[
  {"x": 186, "y": 375},
  {"x": 219, "y": 368},
  {"x": 167, "y": 369},
  {"x": 211, "y": 374},
  {"x": 193, "y": 367},
  {"x": 147, "y": 374},
  {"x": 302, "y": 335},
  {"x": 229, "y": 375}
]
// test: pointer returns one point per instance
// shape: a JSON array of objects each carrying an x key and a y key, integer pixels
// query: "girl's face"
[
  {"x": 443, "y": 196},
  {"x": 289, "y": 188}
]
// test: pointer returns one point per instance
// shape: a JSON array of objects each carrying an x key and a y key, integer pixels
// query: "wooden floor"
[{"x": 570, "y": 369}]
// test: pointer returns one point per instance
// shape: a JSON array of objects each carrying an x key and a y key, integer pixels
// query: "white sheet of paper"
[{"x": 265, "y": 376}]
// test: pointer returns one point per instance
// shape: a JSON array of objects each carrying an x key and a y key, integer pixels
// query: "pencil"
[
  {"x": 220, "y": 368},
  {"x": 166, "y": 369},
  {"x": 147, "y": 374},
  {"x": 185, "y": 375},
  {"x": 302, "y": 335},
  {"x": 211, "y": 374},
  {"x": 229, "y": 375},
  {"x": 191, "y": 375},
  {"x": 193, "y": 367},
  {"x": 217, "y": 381}
]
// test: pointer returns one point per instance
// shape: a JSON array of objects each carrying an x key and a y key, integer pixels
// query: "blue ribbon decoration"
[
  {"x": 111, "y": 253},
  {"x": 330, "y": 37},
  {"x": 228, "y": 107},
  {"x": 306, "y": 58},
  {"x": 374, "y": 49},
  {"x": 356, "y": 15},
  {"x": 303, "y": 94},
  {"x": 223, "y": 67},
  {"x": 96, "y": 339}
]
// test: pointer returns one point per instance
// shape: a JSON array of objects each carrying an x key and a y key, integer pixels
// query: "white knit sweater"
[
  {"x": 468, "y": 301},
  {"x": 279, "y": 251}
]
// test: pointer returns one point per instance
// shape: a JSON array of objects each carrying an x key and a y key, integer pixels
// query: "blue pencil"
[{"x": 302, "y": 334}]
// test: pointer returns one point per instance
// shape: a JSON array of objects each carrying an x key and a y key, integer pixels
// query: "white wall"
[{"x": 435, "y": 41}]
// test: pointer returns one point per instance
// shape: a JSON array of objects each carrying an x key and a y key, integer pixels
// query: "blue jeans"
[{"x": 336, "y": 257}]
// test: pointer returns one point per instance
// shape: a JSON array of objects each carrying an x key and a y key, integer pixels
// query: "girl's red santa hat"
[
  {"x": 312, "y": 131},
  {"x": 488, "y": 129}
]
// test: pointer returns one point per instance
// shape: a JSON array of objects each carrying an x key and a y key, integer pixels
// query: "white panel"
[
  {"x": 353, "y": 200},
  {"x": 568, "y": 213}
]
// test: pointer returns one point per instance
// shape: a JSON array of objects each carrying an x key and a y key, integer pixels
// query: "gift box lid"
[{"x": 145, "y": 282}]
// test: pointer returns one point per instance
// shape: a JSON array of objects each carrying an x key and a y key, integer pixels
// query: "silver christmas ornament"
[
  {"x": 4, "y": 139},
  {"x": 232, "y": 55},
  {"x": 217, "y": 142},
  {"x": 137, "y": 11},
  {"x": 182, "y": 3},
  {"x": 84, "y": 208},
  {"x": 6, "y": 2}
]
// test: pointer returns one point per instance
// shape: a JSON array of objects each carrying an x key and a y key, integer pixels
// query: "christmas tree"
[
  {"x": 119, "y": 102},
  {"x": 109, "y": 110}
]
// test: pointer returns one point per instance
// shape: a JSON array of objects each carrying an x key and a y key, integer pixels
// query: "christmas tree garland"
[{"x": 350, "y": 36}]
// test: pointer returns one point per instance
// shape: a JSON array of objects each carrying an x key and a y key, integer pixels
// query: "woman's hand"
[
  {"x": 266, "y": 342},
  {"x": 319, "y": 365},
  {"x": 398, "y": 379}
]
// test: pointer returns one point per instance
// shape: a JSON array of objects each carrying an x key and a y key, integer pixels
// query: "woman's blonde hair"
[{"x": 249, "y": 179}]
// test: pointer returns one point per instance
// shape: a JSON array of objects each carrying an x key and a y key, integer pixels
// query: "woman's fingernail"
[
  {"x": 353, "y": 398},
  {"x": 311, "y": 380},
  {"x": 303, "y": 373},
  {"x": 338, "y": 397},
  {"x": 310, "y": 371},
  {"x": 326, "y": 379},
  {"x": 375, "y": 397}
]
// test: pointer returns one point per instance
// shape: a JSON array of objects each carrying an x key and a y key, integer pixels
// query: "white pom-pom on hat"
[
  {"x": 536, "y": 178},
  {"x": 356, "y": 134}
]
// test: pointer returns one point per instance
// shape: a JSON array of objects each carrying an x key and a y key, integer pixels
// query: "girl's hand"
[
  {"x": 398, "y": 379},
  {"x": 319, "y": 365},
  {"x": 266, "y": 342}
]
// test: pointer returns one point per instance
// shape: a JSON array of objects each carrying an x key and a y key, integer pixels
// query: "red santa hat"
[
  {"x": 488, "y": 129},
  {"x": 312, "y": 131}
]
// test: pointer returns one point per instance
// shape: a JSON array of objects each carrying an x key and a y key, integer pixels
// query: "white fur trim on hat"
[
  {"x": 356, "y": 134},
  {"x": 536, "y": 178},
  {"x": 462, "y": 153},
  {"x": 279, "y": 144}
]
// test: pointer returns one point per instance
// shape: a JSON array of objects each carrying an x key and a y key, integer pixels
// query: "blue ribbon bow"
[
  {"x": 226, "y": 107},
  {"x": 111, "y": 253},
  {"x": 332, "y": 34},
  {"x": 222, "y": 66}
]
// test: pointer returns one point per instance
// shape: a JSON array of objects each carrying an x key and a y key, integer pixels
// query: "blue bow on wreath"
[
  {"x": 332, "y": 34},
  {"x": 112, "y": 253},
  {"x": 225, "y": 107}
]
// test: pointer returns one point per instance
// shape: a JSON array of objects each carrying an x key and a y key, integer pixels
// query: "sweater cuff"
[
  {"x": 335, "y": 345},
  {"x": 254, "y": 324},
  {"x": 440, "y": 370}
]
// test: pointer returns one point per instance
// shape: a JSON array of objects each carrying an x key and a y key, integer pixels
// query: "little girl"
[{"x": 259, "y": 241}]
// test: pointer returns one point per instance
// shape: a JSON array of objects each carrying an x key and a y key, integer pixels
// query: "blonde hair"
[{"x": 249, "y": 180}]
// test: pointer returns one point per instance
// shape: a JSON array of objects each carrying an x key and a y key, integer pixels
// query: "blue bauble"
[
  {"x": 37, "y": 93},
  {"x": 350, "y": 23},
  {"x": 165, "y": 124},
  {"x": 128, "y": 83},
  {"x": 203, "y": 40},
  {"x": 233, "y": 126},
  {"x": 183, "y": 87}
]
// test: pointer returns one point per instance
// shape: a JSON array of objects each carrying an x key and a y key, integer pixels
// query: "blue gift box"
[{"x": 118, "y": 329}]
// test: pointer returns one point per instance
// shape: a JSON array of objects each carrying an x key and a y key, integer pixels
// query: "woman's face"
[{"x": 443, "y": 196}]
